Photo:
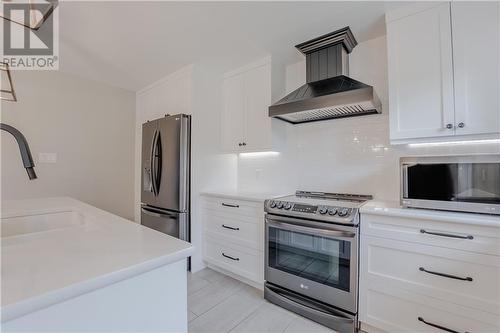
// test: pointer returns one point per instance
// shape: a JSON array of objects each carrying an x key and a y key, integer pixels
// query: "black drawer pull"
[
  {"x": 423, "y": 231},
  {"x": 229, "y": 257},
  {"x": 438, "y": 326},
  {"x": 230, "y": 205},
  {"x": 231, "y": 228},
  {"x": 446, "y": 275}
]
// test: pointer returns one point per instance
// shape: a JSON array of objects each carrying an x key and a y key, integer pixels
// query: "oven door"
[{"x": 317, "y": 260}]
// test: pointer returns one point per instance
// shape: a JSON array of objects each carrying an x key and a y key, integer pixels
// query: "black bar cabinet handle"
[
  {"x": 230, "y": 205},
  {"x": 231, "y": 228},
  {"x": 423, "y": 231},
  {"x": 438, "y": 326},
  {"x": 446, "y": 275},
  {"x": 229, "y": 257}
]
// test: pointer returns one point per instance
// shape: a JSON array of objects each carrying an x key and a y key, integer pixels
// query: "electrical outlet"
[{"x": 47, "y": 157}]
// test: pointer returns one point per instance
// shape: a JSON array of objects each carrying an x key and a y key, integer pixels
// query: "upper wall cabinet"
[
  {"x": 246, "y": 126},
  {"x": 443, "y": 63},
  {"x": 420, "y": 74},
  {"x": 476, "y": 58}
]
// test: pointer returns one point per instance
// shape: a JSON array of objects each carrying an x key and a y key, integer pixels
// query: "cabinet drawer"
[
  {"x": 464, "y": 278},
  {"x": 395, "y": 314},
  {"x": 242, "y": 261},
  {"x": 466, "y": 237},
  {"x": 237, "y": 230},
  {"x": 234, "y": 206}
]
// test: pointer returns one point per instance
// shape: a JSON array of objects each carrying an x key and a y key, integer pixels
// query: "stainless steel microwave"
[{"x": 455, "y": 183}]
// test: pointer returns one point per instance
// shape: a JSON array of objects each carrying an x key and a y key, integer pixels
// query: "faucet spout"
[{"x": 24, "y": 149}]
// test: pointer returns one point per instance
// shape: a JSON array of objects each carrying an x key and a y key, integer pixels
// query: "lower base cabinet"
[
  {"x": 414, "y": 282},
  {"x": 154, "y": 301},
  {"x": 233, "y": 237},
  {"x": 402, "y": 313},
  {"x": 241, "y": 261}
]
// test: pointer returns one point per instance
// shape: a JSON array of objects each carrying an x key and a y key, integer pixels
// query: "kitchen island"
[{"x": 68, "y": 266}]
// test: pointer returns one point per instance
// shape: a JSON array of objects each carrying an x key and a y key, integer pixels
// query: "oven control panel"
[
  {"x": 305, "y": 208},
  {"x": 322, "y": 212}
]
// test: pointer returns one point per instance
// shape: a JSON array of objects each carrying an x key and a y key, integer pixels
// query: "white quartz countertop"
[
  {"x": 243, "y": 195},
  {"x": 94, "y": 250},
  {"x": 392, "y": 208}
]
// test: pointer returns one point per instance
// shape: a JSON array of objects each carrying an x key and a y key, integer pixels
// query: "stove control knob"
[
  {"x": 343, "y": 212},
  {"x": 280, "y": 205},
  {"x": 332, "y": 211},
  {"x": 273, "y": 204},
  {"x": 323, "y": 210},
  {"x": 288, "y": 206}
]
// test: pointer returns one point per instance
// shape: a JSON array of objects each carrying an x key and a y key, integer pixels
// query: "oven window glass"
[
  {"x": 317, "y": 258},
  {"x": 459, "y": 182}
]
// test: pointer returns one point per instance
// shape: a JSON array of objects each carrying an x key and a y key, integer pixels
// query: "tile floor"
[{"x": 218, "y": 303}]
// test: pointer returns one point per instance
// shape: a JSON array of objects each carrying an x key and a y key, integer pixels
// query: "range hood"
[{"x": 329, "y": 92}]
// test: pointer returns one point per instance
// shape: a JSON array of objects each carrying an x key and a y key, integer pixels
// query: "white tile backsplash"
[{"x": 343, "y": 155}]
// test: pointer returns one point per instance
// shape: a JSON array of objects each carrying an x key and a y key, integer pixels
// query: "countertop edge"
[
  {"x": 27, "y": 306},
  {"x": 431, "y": 215},
  {"x": 241, "y": 196}
]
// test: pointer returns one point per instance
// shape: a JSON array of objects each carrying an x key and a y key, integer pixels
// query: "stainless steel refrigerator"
[{"x": 165, "y": 198}]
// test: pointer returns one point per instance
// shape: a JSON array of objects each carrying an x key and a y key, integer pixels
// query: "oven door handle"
[
  {"x": 339, "y": 234},
  {"x": 295, "y": 303}
]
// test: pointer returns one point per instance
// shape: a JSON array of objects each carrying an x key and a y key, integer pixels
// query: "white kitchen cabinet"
[
  {"x": 117, "y": 307},
  {"x": 476, "y": 59},
  {"x": 443, "y": 71},
  {"x": 258, "y": 126},
  {"x": 246, "y": 126},
  {"x": 420, "y": 74},
  {"x": 233, "y": 237},
  {"x": 233, "y": 118},
  {"x": 435, "y": 276}
]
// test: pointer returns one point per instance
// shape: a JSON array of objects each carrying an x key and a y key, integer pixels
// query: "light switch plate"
[{"x": 47, "y": 157}]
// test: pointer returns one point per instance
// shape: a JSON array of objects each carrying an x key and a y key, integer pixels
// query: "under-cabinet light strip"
[
  {"x": 260, "y": 154},
  {"x": 455, "y": 143}
]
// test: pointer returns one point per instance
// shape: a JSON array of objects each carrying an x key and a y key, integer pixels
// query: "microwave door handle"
[
  {"x": 338, "y": 234},
  {"x": 405, "y": 181}
]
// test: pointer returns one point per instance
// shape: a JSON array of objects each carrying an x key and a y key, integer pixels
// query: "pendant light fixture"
[
  {"x": 6, "y": 87},
  {"x": 37, "y": 13}
]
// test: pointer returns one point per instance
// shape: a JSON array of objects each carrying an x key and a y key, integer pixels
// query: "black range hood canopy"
[{"x": 328, "y": 92}]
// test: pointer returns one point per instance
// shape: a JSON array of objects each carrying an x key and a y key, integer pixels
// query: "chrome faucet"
[{"x": 24, "y": 149}]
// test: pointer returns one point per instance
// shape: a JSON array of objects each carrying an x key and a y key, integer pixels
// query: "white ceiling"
[{"x": 132, "y": 44}]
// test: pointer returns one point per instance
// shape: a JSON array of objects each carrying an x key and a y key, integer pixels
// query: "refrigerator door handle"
[
  {"x": 158, "y": 162},
  {"x": 152, "y": 163}
]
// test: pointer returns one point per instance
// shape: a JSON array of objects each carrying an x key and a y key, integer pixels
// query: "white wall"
[
  {"x": 344, "y": 155},
  {"x": 89, "y": 125},
  {"x": 194, "y": 90}
]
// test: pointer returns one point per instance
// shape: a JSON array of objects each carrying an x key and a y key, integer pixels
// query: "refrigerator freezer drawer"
[{"x": 171, "y": 223}]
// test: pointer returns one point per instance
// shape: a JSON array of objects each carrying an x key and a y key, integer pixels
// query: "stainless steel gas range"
[{"x": 312, "y": 245}]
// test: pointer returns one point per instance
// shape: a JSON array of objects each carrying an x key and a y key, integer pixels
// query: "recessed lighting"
[
  {"x": 260, "y": 154},
  {"x": 455, "y": 143}
]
